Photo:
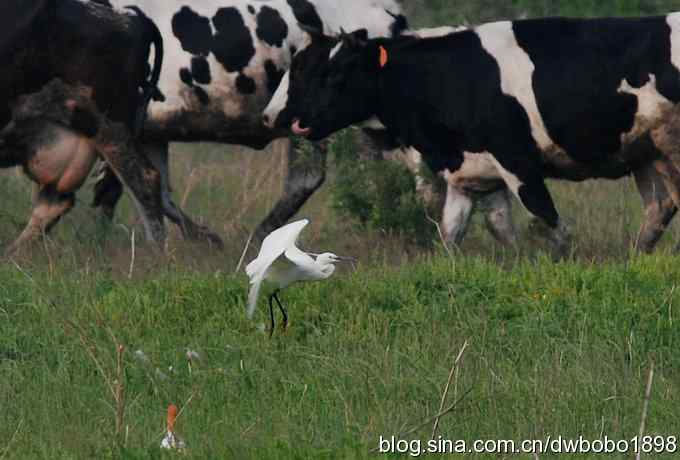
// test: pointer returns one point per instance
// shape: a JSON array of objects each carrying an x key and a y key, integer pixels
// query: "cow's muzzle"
[
  {"x": 267, "y": 121},
  {"x": 298, "y": 130}
]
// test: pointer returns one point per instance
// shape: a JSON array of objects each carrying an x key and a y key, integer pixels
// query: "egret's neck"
[{"x": 326, "y": 270}]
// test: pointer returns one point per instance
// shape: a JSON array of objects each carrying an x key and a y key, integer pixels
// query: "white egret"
[{"x": 280, "y": 263}]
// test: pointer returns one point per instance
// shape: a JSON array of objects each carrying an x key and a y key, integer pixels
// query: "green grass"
[
  {"x": 560, "y": 349},
  {"x": 554, "y": 349}
]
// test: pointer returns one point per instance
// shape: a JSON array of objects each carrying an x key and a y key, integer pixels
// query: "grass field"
[
  {"x": 553, "y": 349},
  {"x": 95, "y": 325}
]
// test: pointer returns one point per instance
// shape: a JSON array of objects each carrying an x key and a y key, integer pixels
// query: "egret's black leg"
[
  {"x": 271, "y": 314},
  {"x": 283, "y": 311}
]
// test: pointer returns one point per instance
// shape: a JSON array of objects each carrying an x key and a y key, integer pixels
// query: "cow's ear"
[
  {"x": 377, "y": 56},
  {"x": 399, "y": 25}
]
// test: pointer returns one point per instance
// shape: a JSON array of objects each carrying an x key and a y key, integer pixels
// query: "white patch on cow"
[
  {"x": 351, "y": 15},
  {"x": 673, "y": 21},
  {"x": 278, "y": 101},
  {"x": 651, "y": 105},
  {"x": 476, "y": 166},
  {"x": 517, "y": 70},
  {"x": 511, "y": 180},
  {"x": 336, "y": 49}
]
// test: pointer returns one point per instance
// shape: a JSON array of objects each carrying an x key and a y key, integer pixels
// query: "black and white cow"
[
  {"x": 85, "y": 43},
  {"x": 477, "y": 184},
  {"x": 564, "y": 98},
  {"x": 223, "y": 61}
]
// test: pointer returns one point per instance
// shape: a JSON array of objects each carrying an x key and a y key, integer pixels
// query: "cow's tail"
[{"x": 150, "y": 90}]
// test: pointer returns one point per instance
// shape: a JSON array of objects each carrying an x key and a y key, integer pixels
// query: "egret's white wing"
[
  {"x": 302, "y": 261},
  {"x": 275, "y": 244}
]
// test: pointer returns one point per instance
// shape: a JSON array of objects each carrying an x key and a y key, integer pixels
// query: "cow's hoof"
[
  {"x": 537, "y": 228},
  {"x": 206, "y": 234},
  {"x": 559, "y": 238}
]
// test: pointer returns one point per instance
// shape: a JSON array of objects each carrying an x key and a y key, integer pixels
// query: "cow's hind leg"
[
  {"x": 498, "y": 217},
  {"x": 666, "y": 139},
  {"x": 158, "y": 154},
  {"x": 306, "y": 173},
  {"x": 525, "y": 180},
  {"x": 137, "y": 173},
  {"x": 107, "y": 191},
  {"x": 659, "y": 207},
  {"x": 48, "y": 207}
]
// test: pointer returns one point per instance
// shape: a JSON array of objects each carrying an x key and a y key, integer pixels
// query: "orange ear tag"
[{"x": 383, "y": 57}]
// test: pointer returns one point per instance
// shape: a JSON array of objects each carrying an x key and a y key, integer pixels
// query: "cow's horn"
[{"x": 311, "y": 30}]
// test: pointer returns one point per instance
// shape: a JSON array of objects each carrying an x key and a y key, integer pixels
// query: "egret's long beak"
[{"x": 339, "y": 258}]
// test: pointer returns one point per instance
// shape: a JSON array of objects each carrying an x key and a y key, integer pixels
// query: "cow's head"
[
  {"x": 332, "y": 86},
  {"x": 291, "y": 92}
]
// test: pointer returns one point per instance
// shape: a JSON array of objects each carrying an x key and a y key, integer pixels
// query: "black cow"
[
  {"x": 55, "y": 136},
  {"x": 565, "y": 98},
  {"x": 86, "y": 43}
]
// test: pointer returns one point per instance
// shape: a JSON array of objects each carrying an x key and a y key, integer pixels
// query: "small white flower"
[
  {"x": 160, "y": 375},
  {"x": 141, "y": 356},
  {"x": 171, "y": 441},
  {"x": 193, "y": 355}
]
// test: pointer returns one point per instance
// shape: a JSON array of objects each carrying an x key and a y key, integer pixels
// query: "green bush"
[{"x": 381, "y": 195}]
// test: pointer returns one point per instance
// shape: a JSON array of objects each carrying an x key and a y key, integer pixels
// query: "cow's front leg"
[
  {"x": 498, "y": 217},
  {"x": 525, "y": 181},
  {"x": 158, "y": 154},
  {"x": 658, "y": 204},
  {"x": 306, "y": 173},
  {"x": 48, "y": 207},
  {"x": 143, "y": 181},
  {"x": 666, "y": 139}
]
